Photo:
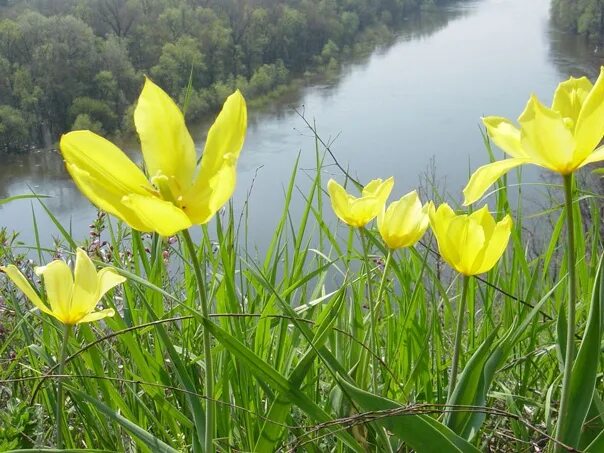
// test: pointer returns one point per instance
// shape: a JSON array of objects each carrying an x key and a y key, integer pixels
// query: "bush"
[
  {"x": 84, "y": 122},
  {"x": 13, "y": 129},
  {"x": 96, "y": 110}
]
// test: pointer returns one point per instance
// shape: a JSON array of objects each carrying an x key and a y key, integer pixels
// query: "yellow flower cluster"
[
  {"x": 561, "y": 138},
  {"x": 471, "y": 244}
]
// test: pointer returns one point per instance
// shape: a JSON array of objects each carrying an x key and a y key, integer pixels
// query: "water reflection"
[
  {"x": 574, "y": 55},
  {"x": 385, "y": 113}
]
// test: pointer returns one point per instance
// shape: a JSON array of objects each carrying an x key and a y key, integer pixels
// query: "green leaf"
[
  {"x": 585, "y": 369},
  {"x": 183, "y": 377},
  {"x": 597, "y": 445},
  {"x": 272, "y": 428},
  {"x": 420, "y": 432},
  {"x": 21, "y": 197},
  {"x": 146, "y": 437},
  {"x": 59, "y": 450},
  {"x": 477, "y": 376},
  {"x": 264, "y": 372},
  {"x": 54, "y": 220},
  {"x": 471, "y": 389}
]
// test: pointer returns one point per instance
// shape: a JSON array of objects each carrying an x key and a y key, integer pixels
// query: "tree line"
[
  {"x": 78, "y": 64},
  {"x": 584, "y": 17}
]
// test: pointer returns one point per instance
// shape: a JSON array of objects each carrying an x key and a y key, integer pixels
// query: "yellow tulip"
[
  {"x": 562, "y": 138},
  {"x": 404, "y": 222},
  {"x": 174, "y": 198},
  {"x": 358, "y": 212},
  {"x": 72, "y": 297},
  {"x": 470, "y": 244}
]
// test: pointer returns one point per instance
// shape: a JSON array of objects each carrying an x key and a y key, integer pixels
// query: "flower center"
[{"x": 168, "y": 188}]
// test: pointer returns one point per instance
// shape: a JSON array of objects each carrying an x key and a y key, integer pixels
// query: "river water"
[{"x": 416, "y": 101}]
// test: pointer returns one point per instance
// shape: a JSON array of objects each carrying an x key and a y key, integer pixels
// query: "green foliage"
[
  {"x": 84, "y": 122},
  {"x": 53, "y": 53},
  {"x": 96, "y": 111},
  {"x": 294, "y": 367},
  {"x": 580, "y": 16},
  {"x": 19, "y": 425},
  {"x": 13, "y": 129}
]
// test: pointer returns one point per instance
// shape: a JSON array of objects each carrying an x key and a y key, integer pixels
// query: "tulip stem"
[
  {"x": 372, "y": 320},
  {"x": 210, "y": 406},
  {"x": 569, "y": 355},
  {"x": 60, "y": 400},
  {"x": 461, "y": 308},
  {"x": 383, "y": 280}
]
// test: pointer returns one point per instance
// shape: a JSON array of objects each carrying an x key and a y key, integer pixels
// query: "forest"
[
  {"x": 79, "y": 64},
  {"x": 585, "y": 17}
]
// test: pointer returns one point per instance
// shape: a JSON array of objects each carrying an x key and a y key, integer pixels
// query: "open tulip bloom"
[
  {"x": 177, "y": 195},
  {"x": 471, "y": 244},
  {"x": 72, "y": 298},
  {"x": 562, "y": 138},
  {"x": 404, "y": 222},
  {"x": 358, "y": 212}
]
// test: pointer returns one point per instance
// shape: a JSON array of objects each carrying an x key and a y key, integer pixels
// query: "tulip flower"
[
  {"x": 358, "y": 212},
  {"x": 177, "y": 194},
  {"x": 404, "y": 222},
  {"x": 72, "y": 298},
  {"x": 562, "y": 138},
  {"x": 470, "y": 244}
]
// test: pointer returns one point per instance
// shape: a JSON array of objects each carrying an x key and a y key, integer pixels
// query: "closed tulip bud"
[
  {"x": 404, "y": 222},
  {"x": 471, "y": 244},
  {"x": 358, "y": 212}
]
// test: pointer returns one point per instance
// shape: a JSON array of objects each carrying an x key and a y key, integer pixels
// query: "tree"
[
  {"x": 13, "y": 129},
  {"x": 177, "y": 62}
]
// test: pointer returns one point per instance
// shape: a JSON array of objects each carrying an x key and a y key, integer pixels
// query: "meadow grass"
[{"x": 300, "y": 361}]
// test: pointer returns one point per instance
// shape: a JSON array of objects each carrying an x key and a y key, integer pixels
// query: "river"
[{"x": 416, "y": 101}]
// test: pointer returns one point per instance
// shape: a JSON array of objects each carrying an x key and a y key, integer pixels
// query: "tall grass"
[{"x": 296, "y": 363}]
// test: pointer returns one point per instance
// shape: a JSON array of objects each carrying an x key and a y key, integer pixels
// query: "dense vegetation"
[
  {"x": 67, "y": 64},
  {"x": 585, "y": 17},
  {"x": 339, "y": 339}
]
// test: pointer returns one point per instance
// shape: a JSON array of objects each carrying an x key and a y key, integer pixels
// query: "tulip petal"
[
  {"x": 167, "y": 146},
  {"x": 484, "y": 219},
  {"x": 363, "y": 211},
  {"x": 486, "y": 176},
  {"x": 23, "y": 284},
  {"x": 590, "y": 124},
  {"x": 104, "y": 161},
  {"x": 215, "y": 182},
  {"x": 103, "y": 173},
  {"x": 96, "y": 315},
  {"x": 85, "y": 287},
  {"x": 105, "y": 197},
  {"x": 596, "y": 156},
  {"x": 404, "y": 222},
  {"x": 469, "y": 236},
  {"x": 108, "y": 278},
  {"x": 545, "y": 138},
  {"x": 339, "y": 200},
  {"x": 570, "y": 96},
  {"x": 497, "y": 244},
  {"x": 378, "y": 189},
  {"x": 212, "y": 196},
  {"x": 158, "y": 215},
  {"x": 58, "y": 282},
  {"x": 440, "y": 221},
  {"x": 505, "y": 135}
]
